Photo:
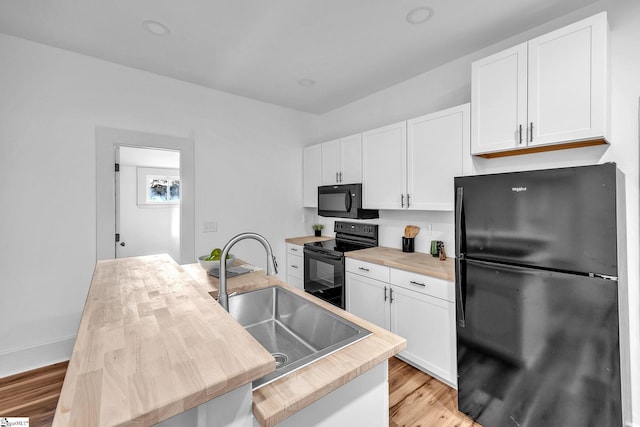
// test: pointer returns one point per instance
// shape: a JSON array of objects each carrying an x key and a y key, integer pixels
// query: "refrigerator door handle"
[
  {"x": 459, "y": 199},
  {"x": 459, "y": 293}
]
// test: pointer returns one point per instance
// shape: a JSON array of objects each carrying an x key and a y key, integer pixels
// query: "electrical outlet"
[
  {"x": 429, "y": 229},
  {"x": 210, "y": 227}
]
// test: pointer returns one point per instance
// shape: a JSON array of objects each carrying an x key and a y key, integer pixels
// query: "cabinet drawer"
[
  {"x": 294, "y": 249},
  {"x": 294, "y": 281},
  {"x": 295, "y": 266},
  {"x": 427, "y": 285},
  {"x": 367, "y": 269}
]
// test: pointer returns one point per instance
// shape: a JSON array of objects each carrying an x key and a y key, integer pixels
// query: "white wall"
[
  {"x": 248, "y": 170},
  {"x": 450, "y": 85}
]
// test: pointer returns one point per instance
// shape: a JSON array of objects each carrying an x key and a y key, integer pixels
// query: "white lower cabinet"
[
  {"x": 295, "y": 265},
  {"x": 417, "y": 307},
  {"x": 368, "y": 298}
]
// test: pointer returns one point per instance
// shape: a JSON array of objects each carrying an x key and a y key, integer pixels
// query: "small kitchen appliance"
[{"x": 324, "y": 261}]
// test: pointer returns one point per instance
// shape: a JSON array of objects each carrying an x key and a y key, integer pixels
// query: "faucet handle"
[{"x": 275, "y": 265}]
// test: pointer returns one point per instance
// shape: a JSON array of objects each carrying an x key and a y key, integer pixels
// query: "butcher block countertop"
[
  {"x": 307, "y": 239},
  {"x": 154, "y": 343},
  {"x": 416, "y": 262},
  {"x": 276, "y": 401}
]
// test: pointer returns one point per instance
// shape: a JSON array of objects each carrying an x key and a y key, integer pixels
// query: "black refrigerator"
[{"x": 537, "y": 297}]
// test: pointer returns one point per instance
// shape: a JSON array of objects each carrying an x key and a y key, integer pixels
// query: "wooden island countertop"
[
  {"x": 154, "y": 343},
  {"x": 274, "y": 402}
]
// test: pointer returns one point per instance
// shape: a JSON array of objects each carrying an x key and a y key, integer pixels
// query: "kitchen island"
[{"x": 153, "y": 343}]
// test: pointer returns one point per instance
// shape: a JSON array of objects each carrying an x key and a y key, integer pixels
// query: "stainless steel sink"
[{"x": 295, "y": 330}]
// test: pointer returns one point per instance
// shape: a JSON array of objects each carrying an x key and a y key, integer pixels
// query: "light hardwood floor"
[{"x": 415, "y": 398}]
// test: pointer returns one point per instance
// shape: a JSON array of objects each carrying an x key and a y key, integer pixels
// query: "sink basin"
[{"x": 295, "y": 330}]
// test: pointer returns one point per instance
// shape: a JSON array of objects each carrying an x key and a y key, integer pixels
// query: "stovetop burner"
[{"x": 350, "y": 236}]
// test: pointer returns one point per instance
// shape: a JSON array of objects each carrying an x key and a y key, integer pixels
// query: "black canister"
[{"x": 408, "y": 244}]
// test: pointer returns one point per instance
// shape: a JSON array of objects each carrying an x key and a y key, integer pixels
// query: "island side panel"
[{"x": 364, "y": 401}]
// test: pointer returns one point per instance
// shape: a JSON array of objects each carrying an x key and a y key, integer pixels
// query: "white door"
[
  {"x": 499, "y": 101},
  {"x": 434, "y": 157},
  {"x": 368, "y": 298},
  {"x": 426, "y": 323},
  {"x": 567, "y": 83},
  {"x": 147, "y": 202},
  {"x": 351, "y": 159},
  {"x": 330, "y": 162},
  {"x": 384, "y": 163}
]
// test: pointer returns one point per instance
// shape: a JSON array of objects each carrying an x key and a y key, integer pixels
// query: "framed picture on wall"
[{"x": 158, "y": 186}]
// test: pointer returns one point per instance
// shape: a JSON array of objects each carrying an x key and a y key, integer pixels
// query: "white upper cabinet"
[
  {"x": 434, "y": 157},
  {"x": 330, "y": 162},
  {"x": 312, "y": 175},
  {"x": 499, "y": 101},
  {"x": 411, "y": 165},
  {"x": 549, "y": 91},
  {"x": 568, "y": 83},
  {"x": 384, "y": 167},
  {"x": 342, "y": 161}
]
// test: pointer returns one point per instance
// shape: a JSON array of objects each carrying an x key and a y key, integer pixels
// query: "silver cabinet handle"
[
  {"x": 417, "y": 283},
  {"x": 402, "y": 200},
  {"x": 385, "y": 293},
  {"x": 340, "y": 176},
  {"x": 337, "y": 177},
  {"x": 363, "y": 269},
  {"x": 408, "y": 200},
  {"x": 531, "y": 132},
  {"x": 390, "y": 295},
  {"x": 294, "y": 266},
  {"x": 520, "y": 134},
  {"x": 294, "y": 250}
]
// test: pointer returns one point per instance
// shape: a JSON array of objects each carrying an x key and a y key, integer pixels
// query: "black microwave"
[{"x": 343, "y": 201}]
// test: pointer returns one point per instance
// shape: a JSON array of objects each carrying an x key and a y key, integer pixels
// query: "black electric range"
[{"x": 324, "y": 261}]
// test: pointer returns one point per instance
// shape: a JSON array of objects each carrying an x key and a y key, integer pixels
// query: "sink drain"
[{"x": 281, "y": 359}]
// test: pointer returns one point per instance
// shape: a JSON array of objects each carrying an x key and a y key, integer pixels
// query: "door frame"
[{"x": 107, "y": 139}]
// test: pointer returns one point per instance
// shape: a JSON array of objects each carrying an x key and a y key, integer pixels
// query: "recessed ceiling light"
[
  {"x": 306, "y": 82},
  {"x": 419, "y": 15},
  {"x": 156, "y": 28}
]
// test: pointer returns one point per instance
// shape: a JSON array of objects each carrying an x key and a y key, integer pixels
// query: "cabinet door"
[
  {"x": 312, "y": 175},
  {"x": 434, "y": 157},
  {"x": 428, "y": 324},
  {"x": 351, "y": 159},
  {"x": 330, "y": 162},
  {"x": 367, "y": 298},
  {"x": 384, "y": 164},
  {"x": 567, "y": 83},
  {"x": 499, "y": 101}
]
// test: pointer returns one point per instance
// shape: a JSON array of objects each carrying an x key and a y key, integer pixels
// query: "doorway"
[
  {"x": 108, "y": 143},
  {"x": 147, "y": 202}
]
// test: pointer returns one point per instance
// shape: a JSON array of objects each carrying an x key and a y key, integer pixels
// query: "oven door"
[{"x": 324, "y": 276}]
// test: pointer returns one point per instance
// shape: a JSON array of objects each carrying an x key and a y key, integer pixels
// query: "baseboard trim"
[{"x": 33, "y": 357}]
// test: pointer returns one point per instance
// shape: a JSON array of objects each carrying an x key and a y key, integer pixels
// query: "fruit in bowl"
[{"x": 212, "y": 261}]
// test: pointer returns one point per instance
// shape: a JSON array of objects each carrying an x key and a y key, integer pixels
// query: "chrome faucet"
[{"x": 272, "y": 266}]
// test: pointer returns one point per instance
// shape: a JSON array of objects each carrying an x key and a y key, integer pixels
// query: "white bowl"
[{"x": 208, "y": 266}]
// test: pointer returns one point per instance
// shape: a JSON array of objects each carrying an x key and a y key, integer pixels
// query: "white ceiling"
[{"x": 262, "y": 48}]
